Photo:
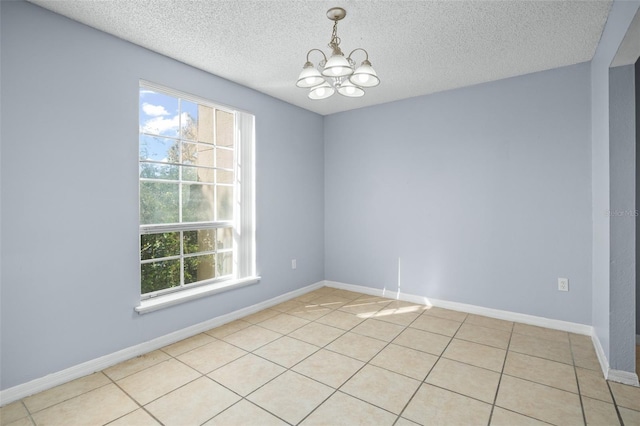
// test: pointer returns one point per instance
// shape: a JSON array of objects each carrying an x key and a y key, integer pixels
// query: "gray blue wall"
[
  {"x": 637, "y": 246},
  {"x": 482, "y": 195},
  {"x": 70, "y": 273},
  {"x": 620, "y": 16},
  {"x": 622, "y": 159}
]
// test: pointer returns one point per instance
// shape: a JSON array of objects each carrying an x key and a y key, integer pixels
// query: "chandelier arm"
[
  {"x": 359, "y": 48},
  {"x": 317, "y": 50}
]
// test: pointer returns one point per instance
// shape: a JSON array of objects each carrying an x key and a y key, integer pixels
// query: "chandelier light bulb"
[
  {"x": 337, "y": 66},
  {"x": 350, "y": 90},
  {"x": 365, "y": 75},
  {"x": 309, "y": 76},
  {"x": 361, "y": 79},
  {"x": 322, "y": 91}
]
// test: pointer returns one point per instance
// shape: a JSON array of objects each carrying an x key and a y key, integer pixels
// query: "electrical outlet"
[
  {"x": 563, "y": 284},
  {"x": 294, "y": 264}
]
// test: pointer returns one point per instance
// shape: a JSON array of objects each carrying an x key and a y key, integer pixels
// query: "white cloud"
[
  {"x": 162, "y": 126},
  {"x": 154, "y": 110}
]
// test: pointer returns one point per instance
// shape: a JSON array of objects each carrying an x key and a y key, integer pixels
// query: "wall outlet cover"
[{"x": 563, "y": 284}]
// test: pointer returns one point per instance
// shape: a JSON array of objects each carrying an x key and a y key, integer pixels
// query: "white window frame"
[{"x": 244, "y": 244}]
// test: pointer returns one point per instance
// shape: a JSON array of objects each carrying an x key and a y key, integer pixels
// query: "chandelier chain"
[{"x": 334, "y": 44}]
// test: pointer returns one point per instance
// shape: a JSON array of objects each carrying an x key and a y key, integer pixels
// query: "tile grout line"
[
  {"x": 242, "y": 398},
  {"x": 546, "y": 359},
  {"x": 336, "y": 390},
  {"x": 442, "y": 356},
  {"x": 444, "y": 350},
  {"x": 143, "y": 407},
  {"x": 575, "y": 372},
  {"x": 221, "y": 366},
  {"x": 64, "y": 400},
  {"x": 258, "y": 406},
  {"x": 288, "y": 368},
  {"x": 615, "y": 404},
  {"x": 578, "y": 393},
  {"x": 30, "y": 413},
  {"x": 175, "y": 357},
  {"x": 190, "y": 349},
  {"x": 504, "y": 363},
  {"x": 506, "y": 353},
  {"x": 543, "y": 384},
  {"x": 33, "y": 422},
  {"x": 377, "y": 353},
  {"x": 140, "y": 406},
  {"x": 423, "y": 382}
]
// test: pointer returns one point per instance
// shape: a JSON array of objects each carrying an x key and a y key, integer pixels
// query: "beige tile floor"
[{"x": 334, "y": 357}]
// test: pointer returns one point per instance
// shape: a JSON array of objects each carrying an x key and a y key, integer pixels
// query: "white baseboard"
[
  {"x": 602, "y": 357},
  {"x": 609, "y": 373},
  {"x": 619, "y": 376},
  {"x": 473, "y": 309},
  {"x": 623, "y": 377},
  {"x": 51, "y": 380}
]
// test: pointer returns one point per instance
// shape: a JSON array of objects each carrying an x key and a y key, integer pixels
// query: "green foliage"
[
  {"x": 156, "y": 246},
  {"x": 163, "y": 274},
  {"x": 159, "y": 202},
  {"x": 160, "y": 275}
]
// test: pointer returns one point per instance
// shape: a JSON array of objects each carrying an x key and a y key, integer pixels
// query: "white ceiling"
[{"x": 416, "y": 47}]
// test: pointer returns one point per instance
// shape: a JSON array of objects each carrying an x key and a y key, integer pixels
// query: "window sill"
[{"x": 160, "y": 302}]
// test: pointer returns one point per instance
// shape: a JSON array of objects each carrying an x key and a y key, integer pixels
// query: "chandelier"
[{"x": 337, "y": 72}]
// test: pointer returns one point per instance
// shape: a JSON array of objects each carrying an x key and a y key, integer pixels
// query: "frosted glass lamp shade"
[
  {"x": 321, "y": 92},
  {"x": 350, "y": 90},
  {"x": 309, "y": 76},
  {"x": 365, "y": 76},
  {"x": 337, "y": 66}
]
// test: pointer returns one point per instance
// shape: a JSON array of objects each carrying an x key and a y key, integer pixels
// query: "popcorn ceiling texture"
[{"x": 417, "y": 47}]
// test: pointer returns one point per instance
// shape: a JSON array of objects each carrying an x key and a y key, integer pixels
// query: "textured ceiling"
[{"x": 416, "y": 47}]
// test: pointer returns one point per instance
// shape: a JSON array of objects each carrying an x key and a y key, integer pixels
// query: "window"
[{"x": 196, "y": 193}]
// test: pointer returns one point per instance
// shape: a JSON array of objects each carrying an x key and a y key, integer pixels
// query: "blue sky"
[{"x": 161, "y": 115}]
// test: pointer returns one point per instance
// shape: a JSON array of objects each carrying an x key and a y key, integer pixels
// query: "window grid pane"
[
  {"x": 174, "y": 259},
  {"x": 186, "y": 177}
]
